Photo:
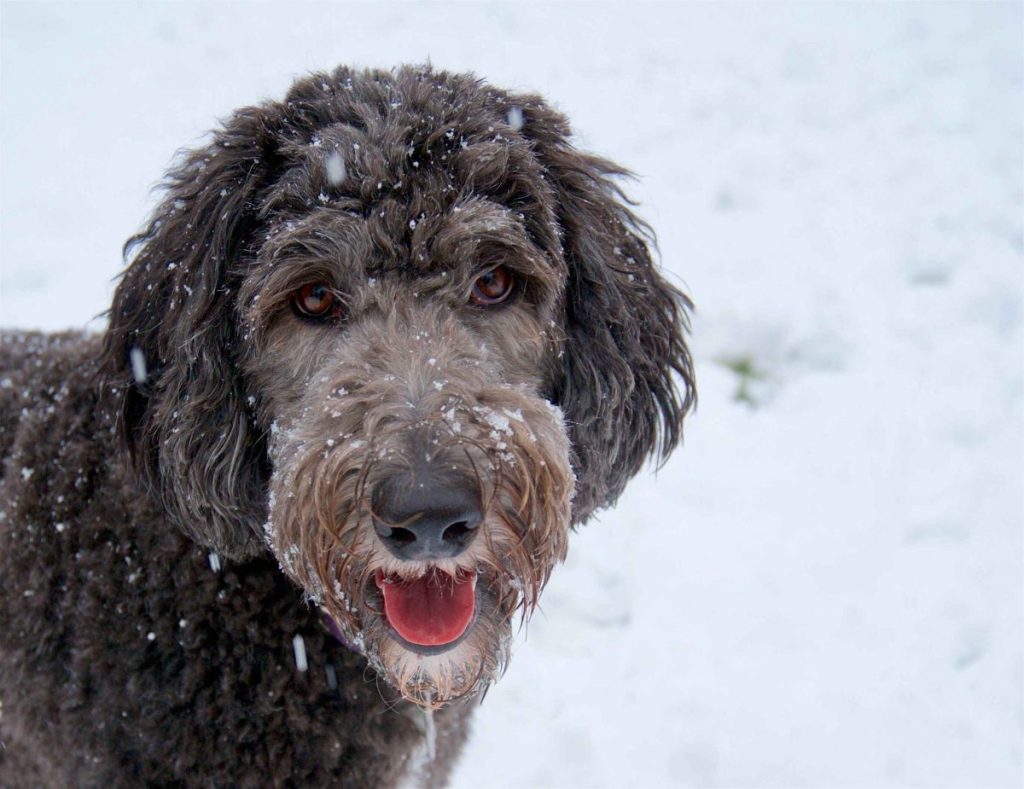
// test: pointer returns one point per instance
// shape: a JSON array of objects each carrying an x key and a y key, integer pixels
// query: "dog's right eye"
[
  {"x": 316, "y": 300},
  {"x": 493, "y": 287}
]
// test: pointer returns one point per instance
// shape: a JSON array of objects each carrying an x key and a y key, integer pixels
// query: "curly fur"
[{"x": 212, "y": 427}]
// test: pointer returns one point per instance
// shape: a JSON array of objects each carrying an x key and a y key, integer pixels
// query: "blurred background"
[{"x": 825, "y": 586}]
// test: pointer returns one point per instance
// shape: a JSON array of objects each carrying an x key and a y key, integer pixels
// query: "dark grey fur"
[{"x": 124, "y": 658}]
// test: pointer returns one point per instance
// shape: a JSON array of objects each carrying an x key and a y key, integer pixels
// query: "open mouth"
[{"x": 431, "y": 613}]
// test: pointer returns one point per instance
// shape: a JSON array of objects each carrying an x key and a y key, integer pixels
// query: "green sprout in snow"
[{"x": 748, "y": 374}]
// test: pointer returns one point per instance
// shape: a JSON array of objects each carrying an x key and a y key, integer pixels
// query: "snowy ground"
[{"x": 824, "y": 588}]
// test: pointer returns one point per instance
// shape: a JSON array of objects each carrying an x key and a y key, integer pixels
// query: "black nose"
[{"x": 421, "y": 516}]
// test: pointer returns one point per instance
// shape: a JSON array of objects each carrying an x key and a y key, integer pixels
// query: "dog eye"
[
  {"x": 315, "y": 300},
  {"x": 493, "y": 287}
]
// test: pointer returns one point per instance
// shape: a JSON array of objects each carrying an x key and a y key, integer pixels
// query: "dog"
[{"x": 383, "y": 345}]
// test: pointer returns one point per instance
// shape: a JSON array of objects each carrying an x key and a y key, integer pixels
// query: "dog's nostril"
[
  {"x": 401, "y": 536},
  {"x": 457, "y": 533}
]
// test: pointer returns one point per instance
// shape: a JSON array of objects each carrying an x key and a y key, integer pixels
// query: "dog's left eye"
[
  {"x": 493, "y": 287},
  {"x": 315, "y": 300}
]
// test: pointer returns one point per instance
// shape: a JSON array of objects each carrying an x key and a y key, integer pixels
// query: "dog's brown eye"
[
  {"x": 315, "y": 300},
  {"x": 493, "y": 287}
]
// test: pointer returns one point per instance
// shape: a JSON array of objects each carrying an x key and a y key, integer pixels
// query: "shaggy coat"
[{"x": 388, "y": 283}]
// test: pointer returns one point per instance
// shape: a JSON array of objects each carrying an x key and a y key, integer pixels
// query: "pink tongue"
[{"x": 430, "y": 611}]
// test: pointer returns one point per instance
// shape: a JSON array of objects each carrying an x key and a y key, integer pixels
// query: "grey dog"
[{"x": 382, "y": 346}]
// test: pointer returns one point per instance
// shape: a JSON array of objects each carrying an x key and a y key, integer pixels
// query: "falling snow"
[
  {"x": 515, "y": 118},
  {"x": 334, "y": 167},
  {"x": 299, "y": 647}
]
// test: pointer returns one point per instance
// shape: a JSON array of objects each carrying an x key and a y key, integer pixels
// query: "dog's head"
[{"x": 399, "y": 331}]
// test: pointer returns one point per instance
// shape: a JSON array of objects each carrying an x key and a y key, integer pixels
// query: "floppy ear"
[
  {"x": 169, "y": 352},
  {"x": 627, "y": 376}
]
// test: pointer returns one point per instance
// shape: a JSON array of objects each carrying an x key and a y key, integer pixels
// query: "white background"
[{"x": 824, "y": 587}]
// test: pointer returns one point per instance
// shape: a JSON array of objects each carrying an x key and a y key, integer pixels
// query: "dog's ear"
[
  {"x": 627, "y": 377},
  {"x": 170, "y": 351}
]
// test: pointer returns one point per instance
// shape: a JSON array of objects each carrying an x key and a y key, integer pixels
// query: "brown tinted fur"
[{"x": 259, "y": 435}]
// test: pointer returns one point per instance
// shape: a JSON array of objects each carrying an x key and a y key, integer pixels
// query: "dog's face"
[
  {"x": 402, "y": 334},
  {"x": 421, "y": 486}
]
